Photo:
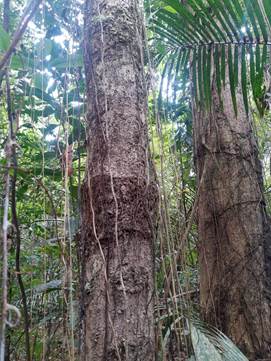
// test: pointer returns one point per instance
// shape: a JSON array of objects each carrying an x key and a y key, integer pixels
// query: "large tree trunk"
[
  {"x": 235, "y": 255},
  {"x": 119, "y": 194}
]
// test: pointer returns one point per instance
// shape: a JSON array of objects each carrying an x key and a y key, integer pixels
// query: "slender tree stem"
[
  {"x": 5, "y": 218},
  {"x": 5, "y": 266},
  {"x": 15, "y": 222}
]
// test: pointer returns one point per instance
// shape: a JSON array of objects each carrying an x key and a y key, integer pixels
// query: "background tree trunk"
[
  {"x": 119, "y": 194},
  {"x": 235, "y": 255}
]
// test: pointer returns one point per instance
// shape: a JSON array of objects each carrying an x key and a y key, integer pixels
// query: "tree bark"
[
  {"x": 234, "y": 231},
  {"x": 119, "y": 194}
]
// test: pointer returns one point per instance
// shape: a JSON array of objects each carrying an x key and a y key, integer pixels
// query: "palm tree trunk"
[
  {"x": 119, "y": 193},
  {"x": 234, "y": 232}
]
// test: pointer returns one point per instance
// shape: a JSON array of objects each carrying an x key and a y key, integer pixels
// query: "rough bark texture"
[
  {"x": 119, "y": 195},
  {"x": 235, "y": 255}
]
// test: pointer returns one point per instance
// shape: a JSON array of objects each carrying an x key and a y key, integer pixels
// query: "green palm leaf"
[
  {"x": 210, "y": 344},
  {"x": 217, "y": 33}
]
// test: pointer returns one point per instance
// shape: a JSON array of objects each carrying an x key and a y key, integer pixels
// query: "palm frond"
[
  {"x": 225, "y": 37},
  {"x": 210, "y": 344}
]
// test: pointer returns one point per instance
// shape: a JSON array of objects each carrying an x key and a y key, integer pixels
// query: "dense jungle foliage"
[{"x": 43, "y": 155}]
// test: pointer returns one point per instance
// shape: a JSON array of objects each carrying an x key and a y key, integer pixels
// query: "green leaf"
[
  {"x": 267, "y": 8},
  {"x": 194, "y": 77},
  {"x": 232, "y": 78},
  {"x": 181, "y": 63},
  {"x": 16, "y": 62},
  {"x": 216, "y": 8},
  {"x": 223, "y": 64},
  {"x": 203, "y": 348},
  {"x": 200, "y": 76},
  {"x": 170, "y": 9},
  {"x": 173, "y": 38},
  {"x": 225, "y": 12},
  {"x": 187, "y": 34},
  {"x": 236, "y": 65},
  {"x": 174, "y": 4},
  {"x": 202, "y": 18},
  {"x": 258, "y": 58},
  {"x": 210, "y": 344},
  {"x": 42, "y": 95},
  {"x": 74, "y": 61},
  {"x": 190, "y": 19},
  {"x": 244, "y": 78},
  {"x": 234, "y": 11},
  {"x": 250, "y": 12},
  {"x": 207, "y": 76},
  {"x": 217, "y": 32},
  {"x": 264, "y": 61},
  {"x": 169, "y": 73},
  {"x": 255, "y": 81},
  {"x": 260, "y": 19},
  {"x": 197, "y": 24},
  {"x": 217, "y": 70},
  {"x": 4, "y": 39}
]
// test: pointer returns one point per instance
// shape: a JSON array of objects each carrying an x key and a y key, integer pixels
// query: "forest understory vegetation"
[{"x": 135, "y": 180}]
